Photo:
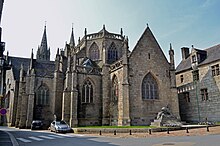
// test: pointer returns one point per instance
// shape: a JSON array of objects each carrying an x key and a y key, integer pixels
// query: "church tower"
[{"x": 43, "y": 52}]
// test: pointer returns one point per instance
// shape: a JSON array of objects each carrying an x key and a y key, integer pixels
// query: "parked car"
[
  {"x": 36, "y": 124},
  {"x": 60, "y": 126}
]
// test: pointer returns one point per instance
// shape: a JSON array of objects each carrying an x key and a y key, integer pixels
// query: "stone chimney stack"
[{"x": 185, "y": 52}]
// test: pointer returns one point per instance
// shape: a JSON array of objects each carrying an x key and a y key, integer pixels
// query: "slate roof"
[
  {"x": 213, "y": 54},
  {"x": 42, "y": 68},
  {"x": 89, "y": 63}
]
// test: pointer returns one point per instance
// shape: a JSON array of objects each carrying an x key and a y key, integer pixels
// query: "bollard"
[
  {"x": 150, "y": 131},
  {"x": 114, "y": 132},
  {"x": 187, "y": 130},
  {"x": 130, "y": 132},
  {"x": 100, "y": 132},
  {"x": 207, "y": 128},
  {"x": 168, "y": 132}
]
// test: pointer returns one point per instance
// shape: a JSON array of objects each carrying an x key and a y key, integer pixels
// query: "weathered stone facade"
[
  {"x": 96, "y": 82},
  {"x": 199, "y": 95}
]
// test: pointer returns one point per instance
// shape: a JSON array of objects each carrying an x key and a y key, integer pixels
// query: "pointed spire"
[
  {"x": 85, "y": 31},
  {"x": 171, "y": 53},
  {"x": 43, "y": 53},
  {"x": 72, "y": 40},
  {"x": 32, "y": 57},
  {"x": 58, "y": 51},
  {"x": 171, "y": 47},
  {"x": 103, "y": 26},
  {"x": 79, "y": 40},
  {"x": 44, "y": 40},
  {"x": 32, "y": 54},
  {"x": 121, "y": 32}
]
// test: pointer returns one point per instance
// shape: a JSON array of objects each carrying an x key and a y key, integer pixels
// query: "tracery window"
[
  {"x": 115, "y": 89},
  {"x": 42, "y": 96},
  {"x": 149, "y": 87},
  {"x": 94, "y": 52},
  {"x": 87, "y": 92},
  {"x": 112, "y": 53}
]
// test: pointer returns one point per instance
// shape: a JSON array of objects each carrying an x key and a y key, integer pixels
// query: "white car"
[{"x": 60, "y": 126}]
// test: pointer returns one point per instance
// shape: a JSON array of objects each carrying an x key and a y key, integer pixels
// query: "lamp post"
[{"x": 196, "y": 82}]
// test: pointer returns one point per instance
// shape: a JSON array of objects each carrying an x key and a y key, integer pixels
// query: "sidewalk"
[{"x": 191, "y": 132}]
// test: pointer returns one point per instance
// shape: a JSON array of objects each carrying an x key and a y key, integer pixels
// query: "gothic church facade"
[{"x": 96, "y": 82}]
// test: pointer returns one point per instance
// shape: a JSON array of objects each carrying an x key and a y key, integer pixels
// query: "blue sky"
[{"x": 182, "y": 23}]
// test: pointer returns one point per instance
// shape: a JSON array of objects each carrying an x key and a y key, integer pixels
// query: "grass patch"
[
  {"x": 217, "y": 123},
  {"x": 116, "y": 127}
]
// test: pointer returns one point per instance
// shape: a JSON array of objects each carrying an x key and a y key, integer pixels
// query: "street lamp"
[{"x": 195, "y": 73}]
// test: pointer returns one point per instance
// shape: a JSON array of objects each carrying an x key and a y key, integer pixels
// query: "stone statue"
[
  {"x": 164, "y": 112},
  {"x": 166, "y": 118}
]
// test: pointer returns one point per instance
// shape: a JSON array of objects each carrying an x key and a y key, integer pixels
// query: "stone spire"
[
  {"x": 172, "y": 68},
  {"x": 32, "y": 59},
  {"x": 43, "y": 52},
  {"x": 72, "y": 40},
  {"x": 171, "y": 53}
]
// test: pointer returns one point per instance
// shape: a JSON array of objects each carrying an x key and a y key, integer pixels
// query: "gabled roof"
[
  {"x": 213, "y": 54},
  {"x": 16, "y": 63},
  {"x": 103, "y": 30},
  {"x": 148, "y": 38},
  {"x": 42, "y": 68},
  {"x": 89, "y": 63}
]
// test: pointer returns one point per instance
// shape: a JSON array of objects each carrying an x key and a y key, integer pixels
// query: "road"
[{"x": 27, "y": 137}]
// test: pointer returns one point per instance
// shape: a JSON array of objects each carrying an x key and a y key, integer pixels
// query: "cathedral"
[{"x": 97, "y": 81}]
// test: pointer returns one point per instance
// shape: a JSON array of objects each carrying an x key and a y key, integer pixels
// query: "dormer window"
[{"x": 194, "y": 59}]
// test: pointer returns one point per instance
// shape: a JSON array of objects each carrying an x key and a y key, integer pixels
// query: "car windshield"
[{"x": 60, "y": 122}]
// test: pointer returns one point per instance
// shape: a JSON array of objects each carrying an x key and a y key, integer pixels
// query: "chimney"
[{"x": 185, "y": 52}]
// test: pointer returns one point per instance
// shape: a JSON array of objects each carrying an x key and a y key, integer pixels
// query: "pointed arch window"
[
  {"x": 112, "y": 53},
  {"x": 87, "y": 92},
  {"x": 42, "y": 96},
  {"x": 115, "y": 89},
  {"x": 149, "y": 87},
  {"x": 94, "y": 52}
]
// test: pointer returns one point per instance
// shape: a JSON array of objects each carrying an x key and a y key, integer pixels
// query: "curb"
[{"x": 13, "y": 140}]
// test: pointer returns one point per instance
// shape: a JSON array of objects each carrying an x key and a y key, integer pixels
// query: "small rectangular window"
[
  {"x": 204, "y": 94},
  {"x": 186, "y": 96},
  {"x": 181, "y": 78},
  {"x": 215, "y": 70}
]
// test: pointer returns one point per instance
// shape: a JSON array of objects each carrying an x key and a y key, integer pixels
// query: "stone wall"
[
  {"x": 90, "y": 113},
  {"x": 198, "y": 109},
  {"x": 147, "y": 57}
]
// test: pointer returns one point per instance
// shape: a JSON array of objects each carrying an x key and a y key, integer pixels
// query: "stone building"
[
  {"x": 96, "y": 82},
  {"x": 198, "y": 82}
]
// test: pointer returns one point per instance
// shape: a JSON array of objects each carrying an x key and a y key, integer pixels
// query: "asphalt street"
[{"x": 25, "y": 137}]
